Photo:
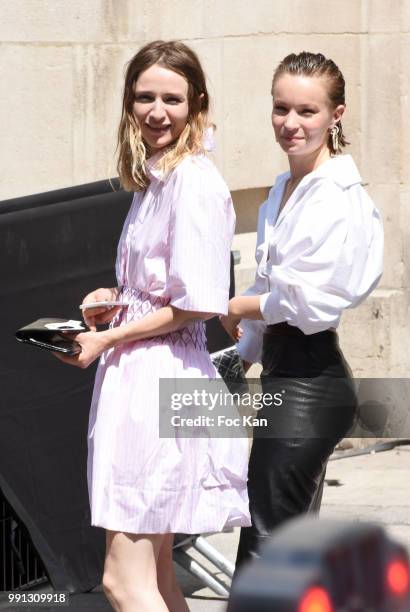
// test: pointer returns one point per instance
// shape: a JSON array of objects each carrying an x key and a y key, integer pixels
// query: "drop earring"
[{"x": 334, "y": 132}]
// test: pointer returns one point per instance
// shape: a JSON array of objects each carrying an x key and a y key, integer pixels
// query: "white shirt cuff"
[{"x": 270, "y": 308}]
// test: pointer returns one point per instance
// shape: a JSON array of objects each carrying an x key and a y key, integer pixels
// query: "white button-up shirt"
[{"x": 321, "y": 254}]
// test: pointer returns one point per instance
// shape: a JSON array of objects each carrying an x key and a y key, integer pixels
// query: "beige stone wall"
[{"x": 62, "y": 67}]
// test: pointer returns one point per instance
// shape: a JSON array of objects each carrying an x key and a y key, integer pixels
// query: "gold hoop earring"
[{"x": 335, "y": 133}]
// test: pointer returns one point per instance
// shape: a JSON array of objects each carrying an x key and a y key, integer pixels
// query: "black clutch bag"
[
  {"x": 48, "y": 334},
  {"x": 229, "y": 365}
]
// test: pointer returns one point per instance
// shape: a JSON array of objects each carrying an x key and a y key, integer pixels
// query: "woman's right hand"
[{"x": 102, "y": 314}]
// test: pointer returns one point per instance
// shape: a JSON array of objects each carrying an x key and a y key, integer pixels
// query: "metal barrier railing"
[{"x": 20, "y": 565}]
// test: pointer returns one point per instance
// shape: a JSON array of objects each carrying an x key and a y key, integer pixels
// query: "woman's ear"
[{"x": 337, "y": 114}]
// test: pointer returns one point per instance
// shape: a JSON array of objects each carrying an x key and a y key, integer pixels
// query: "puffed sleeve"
[
  {"x": 250, "y": 344},
  {"x": 335, "y": 261},
  {"x": 202, "y": 225}
]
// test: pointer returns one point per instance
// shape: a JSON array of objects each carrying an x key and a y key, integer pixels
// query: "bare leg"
[
  {"x": 167, "y": 581},
  {"x": 130, "y": 572}
]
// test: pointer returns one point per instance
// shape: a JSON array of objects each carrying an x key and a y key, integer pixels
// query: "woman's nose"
[
  {"x": 290, "y": 122},
  {"x": 158, "y": 110}
]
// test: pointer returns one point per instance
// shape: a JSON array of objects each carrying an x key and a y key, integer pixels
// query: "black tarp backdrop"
[{"x": 54, "y": 248}]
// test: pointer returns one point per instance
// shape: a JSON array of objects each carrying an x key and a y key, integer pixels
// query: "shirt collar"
[
  {"x": 152, "y": 167},
  {"x": 341, "y": 169}
]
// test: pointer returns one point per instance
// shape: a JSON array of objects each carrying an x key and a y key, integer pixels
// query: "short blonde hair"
[
  {"x": 317, "y": 65},
  {"x": 132, "y": 151}
]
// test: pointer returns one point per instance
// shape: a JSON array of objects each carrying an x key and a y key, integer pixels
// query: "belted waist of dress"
[
  {"x": 128, "y": 292},
  {"x": 142, "y": 303}
]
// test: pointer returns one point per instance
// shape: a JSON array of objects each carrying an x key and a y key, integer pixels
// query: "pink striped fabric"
[{"x": 174, "y": 249}]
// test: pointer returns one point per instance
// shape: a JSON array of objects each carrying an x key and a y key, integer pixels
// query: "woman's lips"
[{"x": 158, "y": 130}]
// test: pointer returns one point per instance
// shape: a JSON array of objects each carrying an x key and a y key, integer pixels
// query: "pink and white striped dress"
[{"x": 174, "y": 249}]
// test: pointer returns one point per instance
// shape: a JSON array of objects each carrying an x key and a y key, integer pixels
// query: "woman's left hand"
[
  {"x": 93, "y": 344},
  {"x": 240, "y": 307}
]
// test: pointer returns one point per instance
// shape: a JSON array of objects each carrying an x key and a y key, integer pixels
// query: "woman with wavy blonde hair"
[
  {"x": 144, "y": 488},
  {"x": 132, "y": 148}
]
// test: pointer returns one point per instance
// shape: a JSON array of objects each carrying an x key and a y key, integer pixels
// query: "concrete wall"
[{"x": 62, "y": 67}]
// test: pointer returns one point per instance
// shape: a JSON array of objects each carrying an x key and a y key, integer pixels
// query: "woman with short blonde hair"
[{"x": 319, "y": 251}]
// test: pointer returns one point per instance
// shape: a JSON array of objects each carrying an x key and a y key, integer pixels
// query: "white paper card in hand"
[{"x": 69, "y": 325}]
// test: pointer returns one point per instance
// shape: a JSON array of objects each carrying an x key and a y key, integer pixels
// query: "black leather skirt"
[{"x": 315, "y": 408}]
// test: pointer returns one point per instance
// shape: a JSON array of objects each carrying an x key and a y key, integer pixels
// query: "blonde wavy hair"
[{"x": 132, "y": 151}]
